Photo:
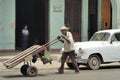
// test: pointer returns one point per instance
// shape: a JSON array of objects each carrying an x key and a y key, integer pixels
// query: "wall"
[
  {"x": 56, "y": 19},
  {"x": 84, "y": 35},
  {"x": 1, "y": 37},
  {"x": 7, "y": 24},
  {"x": 99, "y": 14},
  {"x": 114, "y": 14},
  {"x": 118, "y": 13}
]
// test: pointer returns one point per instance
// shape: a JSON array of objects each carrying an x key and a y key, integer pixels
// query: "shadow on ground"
[
  {"x": 21, "y": 76},
  {"x": 101, "y": 68}
]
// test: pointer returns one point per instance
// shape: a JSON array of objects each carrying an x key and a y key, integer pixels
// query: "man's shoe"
[
  {"x": 76, "y": 72},
  {"x": 60, "y": 73}
]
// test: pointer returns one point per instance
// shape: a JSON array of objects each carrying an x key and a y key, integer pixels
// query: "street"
[
  {"x": 48, "y": 71},
  {"x": 104, "y": 73}
]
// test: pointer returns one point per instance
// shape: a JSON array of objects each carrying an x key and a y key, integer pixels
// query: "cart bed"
[{"x": 25, "y": 55}]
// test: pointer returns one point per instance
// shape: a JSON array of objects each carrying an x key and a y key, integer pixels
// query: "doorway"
[
  {"x": 106, "y": 14},
  {"x": 73, "y": 17},
  {"x": 34, "y": 14},
  {"x": 92, "y": 19}
]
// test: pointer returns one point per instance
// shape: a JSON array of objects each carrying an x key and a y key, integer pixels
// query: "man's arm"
[{"x": 66, "y": 38}]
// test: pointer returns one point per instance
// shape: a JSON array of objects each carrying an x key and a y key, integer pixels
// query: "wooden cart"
[{"x": 26, "y": 56}]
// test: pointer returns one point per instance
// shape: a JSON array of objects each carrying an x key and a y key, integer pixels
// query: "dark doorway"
[
  {"x": 92, "y": 24},
  {"x": 32, "y": 13},
  {"x": 73, "y": 17}
]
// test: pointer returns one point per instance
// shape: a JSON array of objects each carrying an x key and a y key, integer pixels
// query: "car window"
[
  {"x": 114, "y": 38},
  {"x": 117, "y": 36},
  {"x": 100, "y": 37}
]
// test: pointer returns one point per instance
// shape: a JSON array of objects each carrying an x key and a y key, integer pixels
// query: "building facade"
[{"x": 44, "y": 18}]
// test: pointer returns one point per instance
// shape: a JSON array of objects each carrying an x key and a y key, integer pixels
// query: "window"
[
  {"x": 117, "y": 36},
  {"x": 100, "y": 37}
]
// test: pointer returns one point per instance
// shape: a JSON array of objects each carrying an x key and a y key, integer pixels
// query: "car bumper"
[{"x": 83, "y": 61}]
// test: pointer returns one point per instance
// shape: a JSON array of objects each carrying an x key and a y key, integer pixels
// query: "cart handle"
[{"x": 51, "y": 43}]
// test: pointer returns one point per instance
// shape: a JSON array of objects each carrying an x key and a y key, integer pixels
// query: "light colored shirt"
[
  {"x": 25, "y": 32},
  {"x": 68, "y": 46}
]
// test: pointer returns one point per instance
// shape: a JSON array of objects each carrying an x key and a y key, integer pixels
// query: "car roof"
[{"x": 109, "y": 31}]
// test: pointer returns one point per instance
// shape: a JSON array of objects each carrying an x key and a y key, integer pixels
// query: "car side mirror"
[{"x": 111, "y": 41}]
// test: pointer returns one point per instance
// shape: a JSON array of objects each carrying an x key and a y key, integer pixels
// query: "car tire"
[
  {"x": 94, "y": 62},
  {"x": 70, "y": 65}
]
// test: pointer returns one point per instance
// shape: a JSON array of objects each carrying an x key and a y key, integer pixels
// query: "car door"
[{"x": 114, "y": 48}]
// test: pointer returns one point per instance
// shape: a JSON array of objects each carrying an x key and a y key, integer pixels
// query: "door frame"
[{"x": 47, "y": 20}]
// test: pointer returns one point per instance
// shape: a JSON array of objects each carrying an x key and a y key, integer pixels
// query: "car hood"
[{"x": 90, "y": 44}]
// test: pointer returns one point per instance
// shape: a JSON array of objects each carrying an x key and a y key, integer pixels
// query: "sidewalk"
[{"x": 38, "y": 64}]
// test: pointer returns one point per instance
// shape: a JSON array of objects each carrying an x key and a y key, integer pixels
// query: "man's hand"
[
  {"x": 64, "y": 37},
  {"x": 58, "y": 37}
]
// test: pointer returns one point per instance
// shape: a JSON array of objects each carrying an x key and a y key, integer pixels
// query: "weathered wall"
[
  {"x": 7, "y": 24},
  {"x": 56, "y": 19}
]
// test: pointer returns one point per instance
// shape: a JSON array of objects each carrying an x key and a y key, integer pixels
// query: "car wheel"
[
  {"x": 94, "y": 62},
  {"x": 32, "y": 71},
  {"x": 70, "y": 65},
  {"x": 24, "y": 69}
]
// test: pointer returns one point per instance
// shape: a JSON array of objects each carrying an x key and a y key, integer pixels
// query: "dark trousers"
[
  {"x": 71, "y": 55},
  {"x": 25, "y": 42}
]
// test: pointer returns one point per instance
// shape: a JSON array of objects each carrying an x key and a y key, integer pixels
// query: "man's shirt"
[
  {"x": 68, "y": 46},
  {"x": 25, "y": 32}
]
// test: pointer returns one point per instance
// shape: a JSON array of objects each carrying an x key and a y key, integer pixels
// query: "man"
[{"x": 68, "y": 41}]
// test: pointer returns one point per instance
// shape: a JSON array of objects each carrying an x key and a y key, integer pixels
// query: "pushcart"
[{"x": 26, "y": 57}]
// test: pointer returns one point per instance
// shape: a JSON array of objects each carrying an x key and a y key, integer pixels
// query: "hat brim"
[{"x": 64, "y": 28}]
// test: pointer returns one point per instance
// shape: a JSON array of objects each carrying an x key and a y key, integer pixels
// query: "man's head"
[
  {"x": 64, "y": 29},
  {"x": 25, "y": 27}
]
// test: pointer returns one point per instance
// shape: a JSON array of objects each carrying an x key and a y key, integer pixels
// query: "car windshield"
[{"x": 100, "y": 37}]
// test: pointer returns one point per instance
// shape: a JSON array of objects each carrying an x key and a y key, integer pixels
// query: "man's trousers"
[{"x": 71, "y": 55}]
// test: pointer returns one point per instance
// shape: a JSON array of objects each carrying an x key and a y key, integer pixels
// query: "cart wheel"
[
  {"x": 24, "y": 69},
  {"x": 32, "y": 71}
]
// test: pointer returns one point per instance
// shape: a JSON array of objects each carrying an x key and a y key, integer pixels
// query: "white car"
[{"x": 103, "y": 47}]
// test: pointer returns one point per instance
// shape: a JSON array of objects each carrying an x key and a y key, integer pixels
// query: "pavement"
[{"x": 38, "y": 64}]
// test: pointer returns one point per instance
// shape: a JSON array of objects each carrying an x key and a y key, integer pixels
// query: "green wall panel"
[
  {"x": 56, "y": 19},
  {"x": 7, "y": 24},
  {"x": 84, "y": 34}
]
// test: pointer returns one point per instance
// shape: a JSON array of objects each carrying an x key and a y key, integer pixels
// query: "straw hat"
[{"x": 64, "y": 28}]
